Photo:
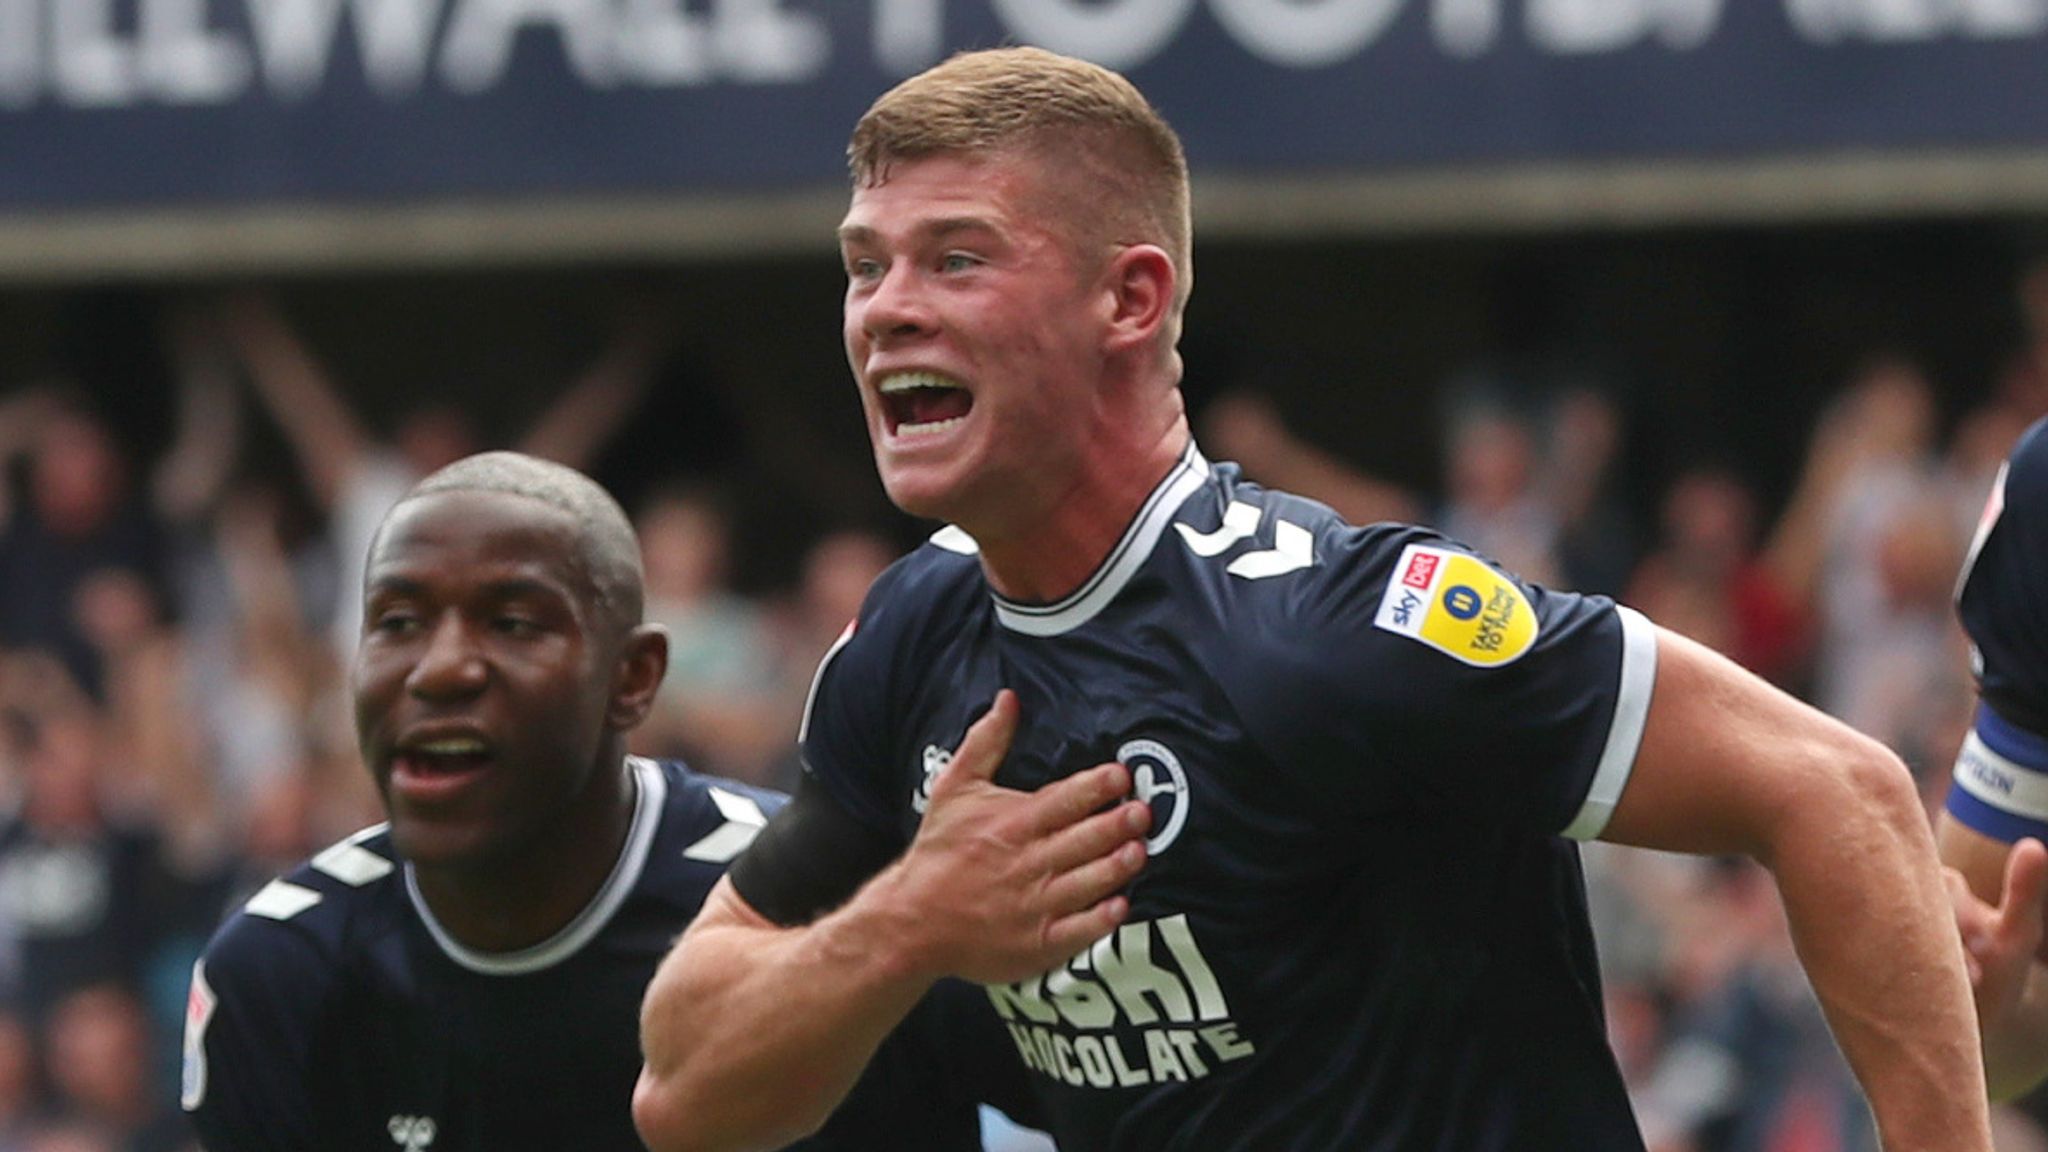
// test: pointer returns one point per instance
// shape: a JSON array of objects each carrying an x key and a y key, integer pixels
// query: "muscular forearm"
[
  {"x": 1729, "y": 764},
  {"x": 1870, "y": 915},
  {"x": 753, "y": 1033}
]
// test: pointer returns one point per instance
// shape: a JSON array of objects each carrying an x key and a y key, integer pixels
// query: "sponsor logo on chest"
[{"x": 1142, "y": 1006}]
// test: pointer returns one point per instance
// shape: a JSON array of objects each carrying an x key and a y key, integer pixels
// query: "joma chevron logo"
[{"x": 1293, "y": 547}]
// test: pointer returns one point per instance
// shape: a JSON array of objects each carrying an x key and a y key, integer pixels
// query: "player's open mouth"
[
  {"x": 430, "y": 767},
  {"x": 923, "y": 403}
]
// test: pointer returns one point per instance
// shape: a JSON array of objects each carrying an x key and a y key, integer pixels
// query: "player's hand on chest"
[{"x": 1006, "y": 882}]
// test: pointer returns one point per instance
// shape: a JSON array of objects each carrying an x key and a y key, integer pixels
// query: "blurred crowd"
[{"x": 174, "y": 643}]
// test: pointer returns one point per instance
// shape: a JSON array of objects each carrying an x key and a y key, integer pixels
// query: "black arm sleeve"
[{"x": 810, "y": 858}]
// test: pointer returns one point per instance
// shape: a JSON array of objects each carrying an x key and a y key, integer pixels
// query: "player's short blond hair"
[{"x": 1130, "y": 182}]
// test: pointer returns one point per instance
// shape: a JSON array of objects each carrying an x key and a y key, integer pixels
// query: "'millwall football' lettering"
[
  {"x": 1122, "y": 980},
  {"x": 107, "y": 54}
]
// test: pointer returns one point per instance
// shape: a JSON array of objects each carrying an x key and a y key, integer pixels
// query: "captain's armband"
[{"x": 2001, "y": 781}]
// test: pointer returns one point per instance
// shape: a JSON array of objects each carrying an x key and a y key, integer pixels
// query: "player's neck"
[
  {"x": 521, "y": 900},
  {"x": 1052, "y": 557}
]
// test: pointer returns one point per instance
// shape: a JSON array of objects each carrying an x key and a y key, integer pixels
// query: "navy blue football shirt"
[
  {"x": 2001, "y": 775},
  {"x": 333, "y": 1012},
  {"x": 1362, "y": 925}
]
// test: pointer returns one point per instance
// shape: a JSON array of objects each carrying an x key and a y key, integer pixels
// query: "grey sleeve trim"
[{"x": 1625, "y": 735}]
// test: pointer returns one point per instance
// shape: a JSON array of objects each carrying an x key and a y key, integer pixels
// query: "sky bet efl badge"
[{"x": 1458, "y": 604}]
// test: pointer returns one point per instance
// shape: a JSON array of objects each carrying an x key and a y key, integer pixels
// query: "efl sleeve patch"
[
  {"x": 1459, "y": 605},
  {"x": 199, "y": 1005}
]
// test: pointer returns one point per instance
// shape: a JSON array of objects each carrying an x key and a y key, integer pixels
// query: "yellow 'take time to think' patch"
[{"x": 1459, "y": 605}]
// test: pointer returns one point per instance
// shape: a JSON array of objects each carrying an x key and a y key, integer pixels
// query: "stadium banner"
[{"x": 156, "y": 103}]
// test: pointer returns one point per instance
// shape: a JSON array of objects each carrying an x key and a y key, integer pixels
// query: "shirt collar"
[
  {"x": 649, "y": 795},
  {"x": 1077, "y": 608}
]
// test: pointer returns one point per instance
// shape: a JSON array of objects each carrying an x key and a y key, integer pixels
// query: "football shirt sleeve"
[
  {"x": 2000, "y": 785},
  {"x": 844, "y": 736},
  {"x": 1421, "y": 676},
  {"x": 250, "y": 1022},
  {"x": 837, "y": 829}
]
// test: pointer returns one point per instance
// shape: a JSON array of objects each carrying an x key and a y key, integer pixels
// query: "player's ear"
[
  {"x": 643, "y": 660},
  {"x": 1139, "y": 281}
]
